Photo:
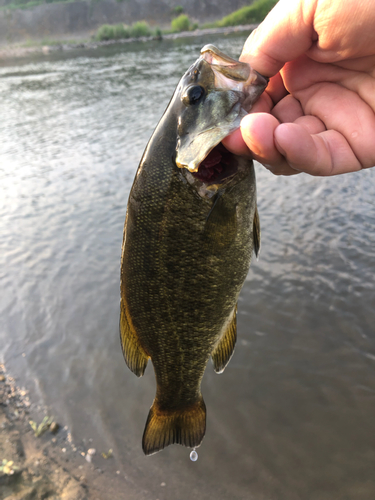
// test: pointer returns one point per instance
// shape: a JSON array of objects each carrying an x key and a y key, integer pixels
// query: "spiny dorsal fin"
[
  {"x": 134, "y": 354},
  {"x": 256, "y": 232},
  {"x": 186, "y": 426},
  {"x": 224, "y": 350}
]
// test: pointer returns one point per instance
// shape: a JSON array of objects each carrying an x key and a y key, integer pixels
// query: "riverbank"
[
  {"x": 30, "y": 466},
  {"x": 45, "y": 463},
  {"x": 19, "y": 51}
]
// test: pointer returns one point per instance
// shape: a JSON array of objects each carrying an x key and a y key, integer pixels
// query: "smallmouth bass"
[{"x": 191, "y": 227}]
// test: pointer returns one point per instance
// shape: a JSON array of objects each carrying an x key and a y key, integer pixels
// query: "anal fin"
[
  {"x": 224, "y": 350},
  {"x": 134, "y": 354}
]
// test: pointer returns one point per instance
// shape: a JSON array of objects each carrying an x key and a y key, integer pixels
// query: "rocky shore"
[{"x": 15, "y": 52}]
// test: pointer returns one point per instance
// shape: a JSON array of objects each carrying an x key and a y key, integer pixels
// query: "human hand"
[{"x": 317, "y": 114}]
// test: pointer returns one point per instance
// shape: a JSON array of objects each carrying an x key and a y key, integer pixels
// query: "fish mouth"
[
  {"x": 194, "y": 147},
  {"x": 218, "y": 166}
]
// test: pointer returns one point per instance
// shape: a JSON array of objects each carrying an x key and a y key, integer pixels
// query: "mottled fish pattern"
[{"x": 191, "y": 227}]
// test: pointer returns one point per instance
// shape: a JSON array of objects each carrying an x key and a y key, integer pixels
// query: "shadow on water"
[{"x": 292, "y": 417}]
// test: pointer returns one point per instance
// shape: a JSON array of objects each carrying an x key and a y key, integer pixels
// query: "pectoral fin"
[
  {"x": 224, "y": 350},
  {"x": 256, "y": 233},
  {"x": 134, "y": 354},
  {"x": 221, "y": 224}
]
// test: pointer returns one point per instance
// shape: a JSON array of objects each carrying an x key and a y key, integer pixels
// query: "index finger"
[{"x": 285, "y": 34}]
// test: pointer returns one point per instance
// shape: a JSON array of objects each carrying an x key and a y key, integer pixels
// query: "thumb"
[{"x": 285, "y": 34}]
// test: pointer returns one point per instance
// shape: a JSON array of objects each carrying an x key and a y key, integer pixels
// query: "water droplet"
[{"x": 193, "y": 456}]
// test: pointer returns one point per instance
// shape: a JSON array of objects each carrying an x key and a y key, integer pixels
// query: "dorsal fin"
[
  {"x": 134, "y": 354},
  {"x": 224, "y": 350}
]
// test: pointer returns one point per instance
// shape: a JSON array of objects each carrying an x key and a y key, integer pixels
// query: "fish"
[{"x": 191, "y": 227}]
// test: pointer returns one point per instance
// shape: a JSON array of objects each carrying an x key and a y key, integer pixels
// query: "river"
[{"x": 293, "y": 415}]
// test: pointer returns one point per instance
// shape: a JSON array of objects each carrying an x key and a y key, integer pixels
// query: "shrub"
[
  {"x": 158, "y": 33},
  {"x": 112, "y": 32},
  {"x": 181, "y": 23},
  {"x": 177, "y": 10},
  {"x": 254, "y": 13},
  {"x": 105, "y": 32},
  {"x": 119, "y": 31},
  {"x": 140, "y": 28}
]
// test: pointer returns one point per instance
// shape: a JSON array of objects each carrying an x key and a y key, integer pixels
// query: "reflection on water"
[{"x": 292, "y": 417}]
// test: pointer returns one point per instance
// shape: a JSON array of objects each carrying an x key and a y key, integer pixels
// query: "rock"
[
  {"x": 54, "y": 427},
  {"x": 19, "y": 448},
  {"x": 9, "y": 479}
]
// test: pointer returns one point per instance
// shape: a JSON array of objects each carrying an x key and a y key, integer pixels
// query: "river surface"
[{"x": 293, "y": 415}]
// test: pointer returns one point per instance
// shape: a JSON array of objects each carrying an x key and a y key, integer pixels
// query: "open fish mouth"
[
  {"x": 194, "y": 147},
  {"x": 218, "y": 166}
]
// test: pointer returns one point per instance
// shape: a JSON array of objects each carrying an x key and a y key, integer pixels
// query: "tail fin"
[{"x": 186, "y": 427}]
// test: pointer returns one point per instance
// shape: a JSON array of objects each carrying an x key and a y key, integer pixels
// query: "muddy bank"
[
  {"x": 49, "y": 466},
  {"x": 14, "y": 51}
]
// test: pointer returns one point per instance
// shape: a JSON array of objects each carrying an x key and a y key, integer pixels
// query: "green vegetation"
[
  {"x": 254, "y": 13},
  {"x": 176, "y": 11},
  {"x": 112, "y": 32},
  {"x": 158, "y": 33},
  {"x": 26, "y": 4},
  {"x": 140, "y": 28},
  {"x": 42, "y": 427},
  {"x": 120, "y": 31},
  {"x": 181, "y": 23},
  {"x": 8, "y": 467}
]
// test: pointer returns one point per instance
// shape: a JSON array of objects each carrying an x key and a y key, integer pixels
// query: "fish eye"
[{"x": 193, "y": 95}]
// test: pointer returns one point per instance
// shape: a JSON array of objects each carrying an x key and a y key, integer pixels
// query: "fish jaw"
[
  {"x": 231, "y": 87},
  {"x": 192, "y": 149}
]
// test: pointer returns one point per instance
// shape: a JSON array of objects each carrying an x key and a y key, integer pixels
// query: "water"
[{"x": 292, "y": 417}]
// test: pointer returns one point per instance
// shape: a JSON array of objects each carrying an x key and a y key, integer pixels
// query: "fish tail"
[{"x": 165, "y": 427}]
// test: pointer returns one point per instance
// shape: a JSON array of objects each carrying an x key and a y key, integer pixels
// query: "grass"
[
  {"x": 254, "y": 13},
  {"x": 50, "y": 41},
  {"x": 27, "y": 4}
]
